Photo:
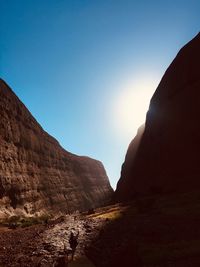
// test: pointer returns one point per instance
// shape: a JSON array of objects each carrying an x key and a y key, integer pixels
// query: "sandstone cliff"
[
  {"x": 167, "y": 159},
  {"x": 36, "y": 174}
]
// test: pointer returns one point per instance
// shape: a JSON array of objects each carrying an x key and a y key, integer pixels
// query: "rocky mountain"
[
  {"x": 36, "y": 174},
  {"x": 167, "y": 159}
]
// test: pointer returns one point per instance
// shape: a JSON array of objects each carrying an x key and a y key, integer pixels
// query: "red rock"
[
  {"x": 36, "y": 173},
  {"x": 167, "y": 159}
]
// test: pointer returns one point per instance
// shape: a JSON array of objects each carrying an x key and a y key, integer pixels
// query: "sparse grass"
[
  {"x": 111, "y": 212},
  {"x": 17, "y": 221},
  {"x": 26, "y": 222},
  {"x": 109, "y": 215}
]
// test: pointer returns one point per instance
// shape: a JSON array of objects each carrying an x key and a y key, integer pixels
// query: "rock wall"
[
  {"x": 36, "y": 174},
  {"x": 167, "y": 159}
]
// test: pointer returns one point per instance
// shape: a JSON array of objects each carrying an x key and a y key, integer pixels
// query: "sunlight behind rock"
[{"x": 131, "y": 106}]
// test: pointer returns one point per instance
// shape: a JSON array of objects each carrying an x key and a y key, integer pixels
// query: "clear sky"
[{"x": 87, "y": 68}]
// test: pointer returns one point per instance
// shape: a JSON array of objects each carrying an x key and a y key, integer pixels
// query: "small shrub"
[
  {"x": 28, "y": 221},
  {"x": 13, "y": 219},
  {"x": 11, "y": 222}
]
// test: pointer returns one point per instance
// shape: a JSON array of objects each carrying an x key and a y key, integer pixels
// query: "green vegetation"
[{"x": 21, "y": 221}]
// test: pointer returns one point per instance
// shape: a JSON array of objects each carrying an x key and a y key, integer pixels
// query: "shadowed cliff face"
[
  {"x": 167, "y": 159},
  {"x": 36, "y": 173}
]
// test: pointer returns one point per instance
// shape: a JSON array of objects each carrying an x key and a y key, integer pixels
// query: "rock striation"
[
  {"x": 167, "y": 159},
  {"x": 36, "y": 174}
]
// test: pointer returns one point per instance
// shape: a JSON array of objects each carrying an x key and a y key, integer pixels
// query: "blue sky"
[{"x": 79, "y": 65}]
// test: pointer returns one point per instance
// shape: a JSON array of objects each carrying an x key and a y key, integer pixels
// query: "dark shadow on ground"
[{"x": 153, "y": 231}]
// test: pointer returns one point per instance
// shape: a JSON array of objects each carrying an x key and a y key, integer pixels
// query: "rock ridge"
[
  {"x": 167, "y": 159},
  {"x": 36, "y": 174}
]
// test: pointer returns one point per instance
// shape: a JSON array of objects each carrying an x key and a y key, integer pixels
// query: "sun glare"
[{"x": 132, "y": 105}]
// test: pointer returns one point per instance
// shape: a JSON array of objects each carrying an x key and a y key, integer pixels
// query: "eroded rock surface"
[{"x": 36, "y": 174}]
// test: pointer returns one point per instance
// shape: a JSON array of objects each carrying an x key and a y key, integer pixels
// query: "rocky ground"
[
  {"x": 151, "y": 232},
  {"x": 159, "y": 231},
  {"x": 41, "y": 245}
]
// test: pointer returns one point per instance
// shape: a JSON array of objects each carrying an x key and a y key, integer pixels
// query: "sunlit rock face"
[
  {"x": 168, "y": 159},
  {"x": 36, "y": 174}
]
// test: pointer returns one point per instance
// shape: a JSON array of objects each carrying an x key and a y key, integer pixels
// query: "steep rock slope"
[
  {"x": 167, "y": 159},
  {"x": 36, "y": 174}
]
